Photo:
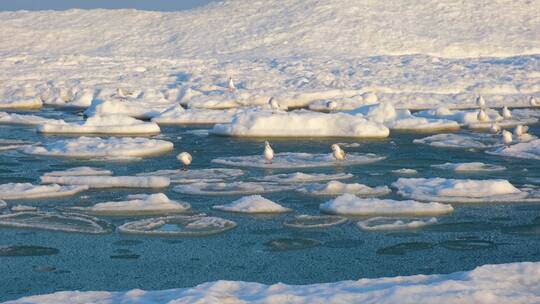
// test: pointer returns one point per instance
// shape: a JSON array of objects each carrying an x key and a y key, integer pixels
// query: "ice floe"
[
  {"x": 290, "y": 160},
  {"x": 231, "y": 188},
  {"x": 138, "y": 204},
  {"x": 103, "y": 124},
  {"x": 469, "y": 167},
  {"x": 134, "y": 109},
  {"x": 463, "y": 190},
  {"x": 13, "y": 144},
  {"x": 390, "y": 223},
  {"x": 252, "y": 204},
  {"x": 80, "y": 171},
  {"x": 405, "y": 171},
  {"x": 13, "y": 191},
  {"x": 65, "y": 222},
  {"x": 462, "y": 141},
  {"x": 23, "y": 208},
  {"x": 101, "y": 181},
  {"x": 177, "y": 115},
  {"x": 338, "y": 188},
  {"x": 95, "y": 147},
  {"x": 527, "y": 150},
  {"x": 178, "y": 176},
  {"x": 305, "y": 221},
  {"x": 26, "y": 119},
  {"x": 178, "y": 226},
  {"x": 349, "y": 204},
  {"x": 21, "y": 104},
  {"x": 300, "y": 124},
  {"x": 299, "y": 177},
  {"x": 3, "y": 204}
]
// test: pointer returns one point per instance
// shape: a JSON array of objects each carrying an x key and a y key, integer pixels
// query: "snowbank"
[
  {"x": 114, "y": 124},
  {"x": 139, "y": 204},
  {"x": 252, "y": 204},
  {"x": 339, "y": 188},
  {"x": 28, "y": 191},
  {"x": 109, "y": 181}
]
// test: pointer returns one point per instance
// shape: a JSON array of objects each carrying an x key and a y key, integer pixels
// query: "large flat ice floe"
[
  {"x": 252, "y": 204},
  {"x": 503, "y": 283},
  {"x": 212, "y": 175},
  {"x": 80, "y": 171},
  {"x": 463, "y": 190},
  {"x": 349, "y": 204},
  {"x": 101, "y": 181},
  {"x": 231, "y": 188},
  {"x": 114, "y": 124},
  {"x": 13, "y": 191},
  {"x": 177, "y": 115},
  {"x": 469, "y": 167},
  {"x": 290, "y": 160},
  {"x": 178, "y": 225},
  {"x": 137, "y": 204},
  {"x": 26, "y": 119},
  {"x": 335, "y": 188},
  {"x": 95, "y": 147},
  {"x": 528, "y": 150},
  {"x": 136, "y": 109},
  {"x": 389, "y": 223},
  {"x": 299, "y": 177},
  {"x": 64, "y": 222},
  {"x": 300, "y": 124}
]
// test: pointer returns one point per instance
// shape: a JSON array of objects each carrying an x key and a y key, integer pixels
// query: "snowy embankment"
[{"x": 504, "y": 283}]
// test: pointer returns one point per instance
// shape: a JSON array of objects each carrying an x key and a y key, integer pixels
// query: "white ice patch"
[
  {"x": 463, "y": 190},
  {"x": 338, "y": 188},
  {"x": 64, "y": 222},
  {"x": 213, "y": 175},
  {"x": 528, "y": 150},
  {"x": 469, "y": 167},
  {"x": 405, "y": 171},
  {"x": 252, "y": 204},
  {"x": 299, "y": 177},
  {"x": 21, "y": 104},
  {"x": 13, "y": 144},
  {"x": 462, "y": 141},
  {"x": 136, "y": 109},
  {"x": 349, "y": 204},
  {"x": 140, "y": 204},
  {"x": 232, "y": 188},
  {"x": 28, "y": 191},
  {"x": 305, "y": 221},
  {"x": 3, "y": 204},
  {"x": 95, "y": 147},
  {"x": 178, "y": 226},
  {"x": 21, "y": 119},
  {"x": 177, "y": 115},
  {"x": 80, "y": 171},
  {"x": 389, "y": 223},
  {"x": 289, "y": 160},
  {"x": 112, "y": 124},
  {"x": 300, "y": 124},
  {"x": 109, "y": 181},
  {"x": 23, "y": 208}
]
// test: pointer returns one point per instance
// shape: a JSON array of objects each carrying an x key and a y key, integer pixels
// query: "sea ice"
[
  {"x": 252, "y": 204},
  {"x": 13, "y": 191},
  {"x": 101, "y": 181},
  {"x": 179, "y": 176},
  {"x": 527, "y": 150},
  {"x": 23, "y": 119},
  {"x": 299, "y": 177},
  {"x": 178, "y": 226},
  {"x": 469, "y": 167},
  {"x": 80, "y": 171},
  {"x": 462, "y": 141},
  {"x": 305, "y": 221},
  {"x": 390, "y": 223},
  {"x": 232, "y": 188},
  {"x": 134, "y": 109},
  {"x": 112, "y": 124},
  {"x": 65, "y": 222},
  {"x": 177, "y": 115},
  {"x": 335, "y": 188}
]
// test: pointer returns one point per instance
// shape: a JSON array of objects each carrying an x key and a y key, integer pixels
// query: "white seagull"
[
  {"x": 480, "y": 101},
  {"x": 520, "y": 130},
  {"x": 274, "y": 104},
  {"x": 331, "y": 106},
  {"x": 507, "y": 137},
  {"x": 495, "y": 128},
  {"x": 185, "y": 158},
  {"x": 231, "y": 85},
  {"x": 121, "y": 93},
  {"x": 506, "y": 114},
  {"x": 482, "y": 116},
  {"x": 533, "y": 102},
  {"x": 337, "y": 152},
  {"x": 268, "y": 152}
]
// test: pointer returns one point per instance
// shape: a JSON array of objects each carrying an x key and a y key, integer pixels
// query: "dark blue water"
[{"x": 507, "y": 232}]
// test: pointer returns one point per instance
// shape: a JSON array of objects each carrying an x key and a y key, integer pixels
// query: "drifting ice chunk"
[
  {"x": 469, "y": 118},
  {"x": 290, "y": 160},
  {"x": 28, "y": 191},
  {"x": 463, "y": 190},
  {"x": 405, "y": 171},
  {"x": 95, "y": 147},
  {"x": 3, "y": 204},
  {"x": 80, "y": 171},
  {"x": 338, "y": 188},
  {"x": 461, "y": 141},
  {"x": 12, "y": 144},
  {"x": 65, "y": 222},
  {"x": 469, "y": 167},
  {"x": 23, "y": 208},
  {"x": 349, "y": 204},
  {"x": 177, "y": 115},
  {"x": 196, "y": 175},
  {"x": 529, "y": 150},
  {"x": 314, "y": 221},
  {"x": 134, "y": 109},
  {"x": 109, "y": 181},
  {"x": 300, "y": 177},
  {"x": 230, "y": 188},
  {"x": 253, "y": 204},
  {"x": 140, "y": 204},
  {"x": 389, "y": 223},
  {"x": 178, "y": 226},
  {"x": 106, "y": 124},
  {"x": 300, "y": 124},
  {"x": 19, "y": 119}
]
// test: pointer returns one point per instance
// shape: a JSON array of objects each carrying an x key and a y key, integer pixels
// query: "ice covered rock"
[
  {"x": 299, "y": 177},
  {"x": 232, "y": 188},
  {"x": 64, "y": 222},
  {"x": 101, "y": 181},
  {"x": 252, "y": 204},
  {"x": 212, "y": 175},
  {"x": 338, "y": 188},
  {"x": 13, "y": 191},
  {"x": 527, "y": 150},
  {"x": 469, "y": 167},
  {"x": 113, "y": 124},
  {"x": 178, "y": 226},
  {"x": 94, "y": 147},
  {"x": 390, "y": 223},
  {"x": 349, "y": 204},
  {"x": 80, "y": 171}
]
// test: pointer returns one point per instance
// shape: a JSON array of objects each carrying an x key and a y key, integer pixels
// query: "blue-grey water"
[{"x": 120, "y": 262}]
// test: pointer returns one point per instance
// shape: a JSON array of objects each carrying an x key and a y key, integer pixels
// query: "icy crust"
[
  {"x": 190, "y": 176},
  {"x": 299, "y": 177},
  {"x": 463, "y": 190},
  {"x": 390, "y": 223},
  {"x": 305, "y": 221},
  {"x": 300, "y": 124},
  {"x": 178, "y": 226},
  {"x": 290, "y": 160},
  {"x": 109, "y": 181},
  {"x": 527, "y": 150},
  {"x": 21, "y": 104},
  {"x": 177, "y": 115},
  {"x": 64, "y": 222},
  {"x": 469, "y": 167},
  {"x": 140, "y": 204},
  {"x": 462, "y": 141},
  {"x": 22, "y": 119},
  {"x": 95, "y": 147},
  {"x": 13, "y": 191},
  {"x": 232, "y": 188},
  {"x": 252, "y": 204},
  {"x": 349, "y": 204},
  {"x": 134, "y": 108},
  {"x": 339, "y": 188},
  {"x": 113, "y": 124},
  {"x": 80, "y": 171}
]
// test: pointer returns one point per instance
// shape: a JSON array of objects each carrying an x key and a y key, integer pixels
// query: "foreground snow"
[{"x": 504, "y": 283}]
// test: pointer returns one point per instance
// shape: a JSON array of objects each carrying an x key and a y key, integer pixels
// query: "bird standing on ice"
[
  {"x": 121, "y": 93},
  {"x": 480, "y": 102},
  {"x": 482, "y": 116},
  {"x": 507, "y": 137},
  {"x": 232, "y": 87},
  {"x": 185, "y": 158},
  {"x": 533, "y": 102},
  {"x": 331, "y": 106},
  {"x": 268, "y": 152},
  {"x": 495, "y": 128},
  {"x": 506, "y": 114},
  {"x": 520, "y": 130},
  {"x": 274, "y": 104},
  {"x": 337, "y": 152}
]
